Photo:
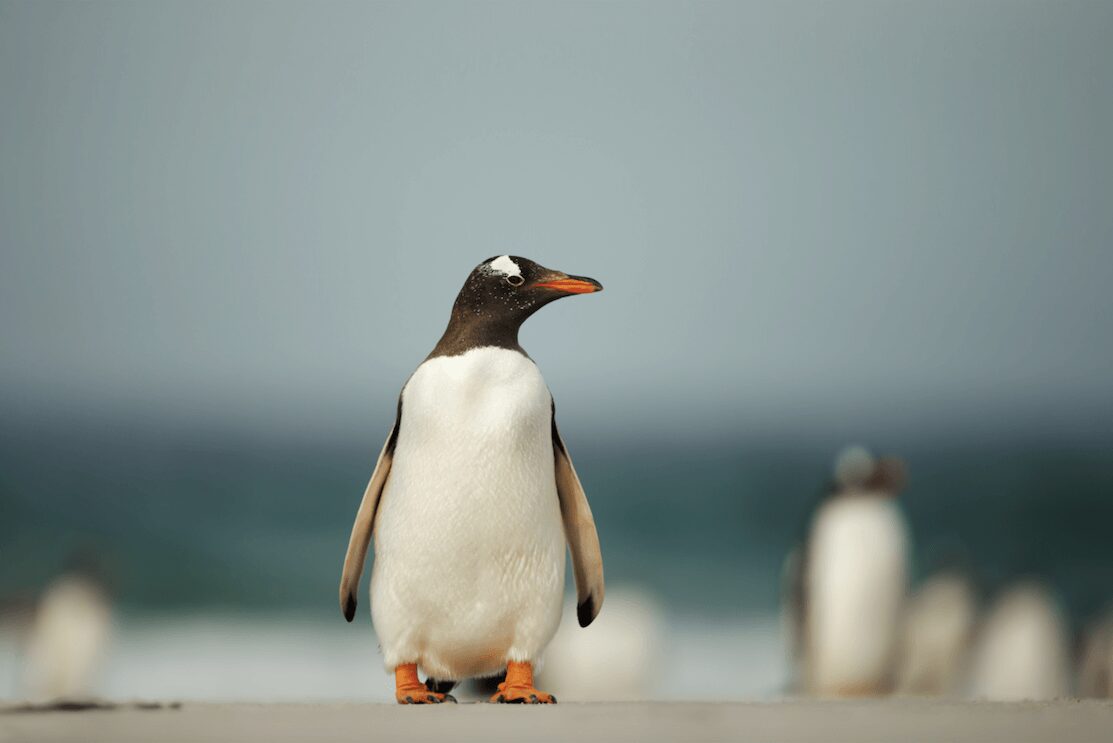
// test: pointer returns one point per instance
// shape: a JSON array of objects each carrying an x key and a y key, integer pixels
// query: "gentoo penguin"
[
  {"x": 1021, "y": 652},
  {"x": 69, "y": 637},
  {"x": 938, "y": 628},
  {"x": 853, "y": 579},
  {"x": 618, "y": 658},
  {"x": 472, "y": 500},
  {"x": 1095, "y": 659}
]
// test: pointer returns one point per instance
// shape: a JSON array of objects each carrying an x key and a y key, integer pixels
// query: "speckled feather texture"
[
  {"x": 855, "y": 583},
  {"x": 469, "y": 543}
]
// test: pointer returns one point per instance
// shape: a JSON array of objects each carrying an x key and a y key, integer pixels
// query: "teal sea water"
[{"x": 212, "y": 521}]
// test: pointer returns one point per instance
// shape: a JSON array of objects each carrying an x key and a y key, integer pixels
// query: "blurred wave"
[{"x": 202, "y": 519}]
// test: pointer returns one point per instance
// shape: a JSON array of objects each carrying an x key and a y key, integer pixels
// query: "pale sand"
[{"x": 901, "y": 720}]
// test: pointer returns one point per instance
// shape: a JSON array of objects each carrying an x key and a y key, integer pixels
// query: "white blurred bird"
[
  {"x": 68, "y": 639},
  {"x": 617, "y": 658},
  {"x": 853, "y": 579},
  {"x": 938, "y": 628},
  {"x": 1095, "y": 662},
  {"x": 1021, "y": 649}
]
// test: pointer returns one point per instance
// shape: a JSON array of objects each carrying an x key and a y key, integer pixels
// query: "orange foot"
[
  {"x": 518, "y": 687},
  {"x": 408, "y": 690}
]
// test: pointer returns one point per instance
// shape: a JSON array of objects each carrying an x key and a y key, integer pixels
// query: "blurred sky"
[{"x": 804, "y": 213}]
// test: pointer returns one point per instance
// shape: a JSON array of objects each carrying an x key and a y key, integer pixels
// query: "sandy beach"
[{"x": 791, "y": 720}]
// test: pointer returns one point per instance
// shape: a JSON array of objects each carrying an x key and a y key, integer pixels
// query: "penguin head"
[
  {"x": 853, "y": 467},
  {"x": 511, "y": 288},
  {"x": 856, "y": 469}
]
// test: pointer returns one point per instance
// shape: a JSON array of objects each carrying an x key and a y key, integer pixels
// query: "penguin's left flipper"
[
  {"x": 365, "y": 522},
  {"x": 579, "y": 529}
]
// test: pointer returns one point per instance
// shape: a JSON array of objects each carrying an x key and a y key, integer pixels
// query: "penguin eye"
[{"x": 515, "y": 280}]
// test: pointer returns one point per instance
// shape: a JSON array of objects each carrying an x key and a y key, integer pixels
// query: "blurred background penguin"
[
  {"x": 619, "y": 657},
  {"x": 939, "y": 622},
  {"x": 1022, "y": 648},
  {"x": 1095, "y": 658},
  {"x": 69, "y": 635},
  {"x": 845, "y": 586}
]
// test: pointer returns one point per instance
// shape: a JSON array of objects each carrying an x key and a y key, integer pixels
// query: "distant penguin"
[
  {"x": 853, "y": 579},
  {"x": 1095, "y": 660},
  {"x": 1021, "y": 651},
  {"x": 937, "y": 632},
  {"x": 472, "y": 500},
  {"x": 792, "y": 618},
  {"x": 68, "y": 639},
  {"x": 618, "y": 658}
]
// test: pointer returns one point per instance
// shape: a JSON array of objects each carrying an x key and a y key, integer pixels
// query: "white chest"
[
  {"x": 487, "y": 395},
  {"x": 474, "y": 451}
]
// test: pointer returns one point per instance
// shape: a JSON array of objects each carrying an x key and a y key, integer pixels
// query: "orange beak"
[{"x": 572, "y": 285}]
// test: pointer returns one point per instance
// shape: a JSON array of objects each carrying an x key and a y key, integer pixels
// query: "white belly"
[
  {"x": 469, "y": 543},
  {"x": 68, "y": 639},
  {"x": 1022, "y": 651},
  {"x": 855, "y": 587},
  {"x": 938, "y": 625}
]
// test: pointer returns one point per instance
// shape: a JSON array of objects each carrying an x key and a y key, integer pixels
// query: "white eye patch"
[{"x": 505, "y": 266}]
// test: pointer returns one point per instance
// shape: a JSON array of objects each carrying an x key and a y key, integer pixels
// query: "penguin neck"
[{"x": 467, "y": 330}]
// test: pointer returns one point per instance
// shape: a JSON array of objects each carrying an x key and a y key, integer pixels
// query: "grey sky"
[{"x": 801, "y": 212}]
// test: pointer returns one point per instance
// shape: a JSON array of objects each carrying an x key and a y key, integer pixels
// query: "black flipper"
[{"x": 365, "y": 522}]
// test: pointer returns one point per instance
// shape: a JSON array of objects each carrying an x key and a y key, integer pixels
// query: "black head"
[
  {"x": 508, "y": 286},
  {"x": 498, "y": 296}
]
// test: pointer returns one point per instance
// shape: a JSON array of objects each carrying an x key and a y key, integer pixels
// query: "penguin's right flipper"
[
  {"x": 579, "y": 529},
  {"x": 365, "y": 522}
]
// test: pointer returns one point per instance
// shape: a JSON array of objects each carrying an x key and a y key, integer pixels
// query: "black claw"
[
  {"x": 409, "y": 700},
  {"x": 350, "y": 608},
  {"x": 502, "y": 699},
  {"x": 533, "y": 698},
  {"x": 519, "y": 700},
  {"x": 552, "y": 699},
  {"x": 450, "y": 698}
]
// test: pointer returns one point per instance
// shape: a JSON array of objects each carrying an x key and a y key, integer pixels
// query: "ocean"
[{"x": 227, "y": 546}]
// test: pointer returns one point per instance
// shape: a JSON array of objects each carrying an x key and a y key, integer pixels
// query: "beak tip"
[
  {"x": 595, "y": 285},
  {"x": 572, "y": 285}
]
